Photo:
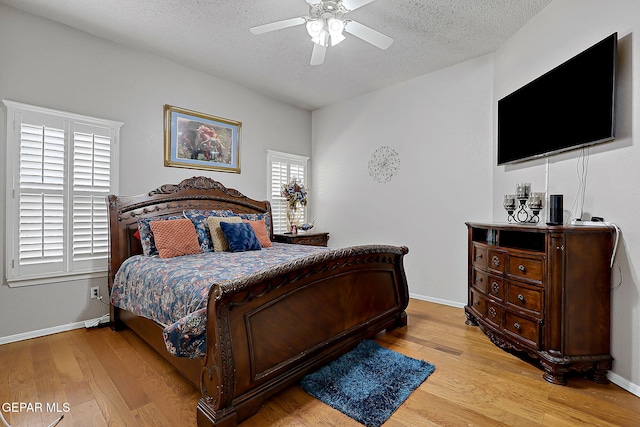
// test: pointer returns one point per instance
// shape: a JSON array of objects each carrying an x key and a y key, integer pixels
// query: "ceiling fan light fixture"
[
  {"x": 337, "y": 38},
  {"x": 326, "y": 31},
  {"x": 326, "y": 25},
  {"x": 335, "y": 27},
  {"x": 315, "y": 27}
]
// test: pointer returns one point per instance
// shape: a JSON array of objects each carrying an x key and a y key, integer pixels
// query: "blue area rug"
[{"x": 369, "y": 383}]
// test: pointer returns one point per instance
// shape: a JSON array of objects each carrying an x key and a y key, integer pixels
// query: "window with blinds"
[
  {"x": 282, "y": 168},
  {"x": 60, "y": 168}
]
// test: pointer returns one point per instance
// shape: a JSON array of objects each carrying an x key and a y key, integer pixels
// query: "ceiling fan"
[{"x": 326, "y": 23}]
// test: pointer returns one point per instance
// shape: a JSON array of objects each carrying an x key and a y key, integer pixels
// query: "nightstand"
[{"x": 303, "y": 238}]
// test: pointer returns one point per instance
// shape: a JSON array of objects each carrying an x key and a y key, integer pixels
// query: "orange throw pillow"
[
  {"x": 260, "y": 228},
  {"x": 175, "y": 237}
]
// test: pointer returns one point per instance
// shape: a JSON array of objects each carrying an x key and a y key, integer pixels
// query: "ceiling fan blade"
[
  {"x": 368, "y": 34},
  {"x": 316, "y": 1},
  {"x": 317, "y": 54},
  {"x": 278, "y": 25},
  {"x": 354, "y": 4}
]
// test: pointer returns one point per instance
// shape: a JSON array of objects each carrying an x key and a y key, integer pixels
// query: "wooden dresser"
[
  {"x": 303, "y": 238},
  {"x": 545, "y": 291}
]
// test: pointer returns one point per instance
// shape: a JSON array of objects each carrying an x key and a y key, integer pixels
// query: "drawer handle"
[
  {"x": 521, "y": 268},
  {"x": 517, "y": 326},
  {"x": 479, "y": 256},
  {"x": 521, "y": 297},
  {"x": 479, "y": 280},
  {"x": 476, "y": 303},
  {"x": 495, "y": 261},
  {"x": 495, "y": 288}
]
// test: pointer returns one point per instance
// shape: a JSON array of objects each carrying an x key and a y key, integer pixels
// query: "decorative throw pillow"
[
  {"x": 217, "y": 236},
  {"x": 146, "y": 235},
  {"x": 199, "y": 219},
  {"x": 240, "y": 236},
  {"x": 175, "y": 237},
  {"x": 257, "y": 217},
  {"x": 261, "y": 232}
]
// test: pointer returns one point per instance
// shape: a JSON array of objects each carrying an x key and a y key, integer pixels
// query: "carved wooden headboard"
[{"x": 193, "y": 193}]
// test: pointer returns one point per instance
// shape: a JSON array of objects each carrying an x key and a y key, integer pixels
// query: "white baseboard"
[
  {"x": 49, "y": 331},
  {"x": 624, "y": 383},
  {"x": 613, "y": 377},
  {"x": 438, "y": 300}
]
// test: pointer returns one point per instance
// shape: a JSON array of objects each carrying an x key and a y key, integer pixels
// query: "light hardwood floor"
[{"x": 114, "y": 379}]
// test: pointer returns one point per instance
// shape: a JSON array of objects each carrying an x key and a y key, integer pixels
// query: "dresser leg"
[
  {"x": 554, "y": 377},
  {"x": 600, "y": 373},
  {"x": 471, "y": 321},
  {"x": 553, "y": 372}
]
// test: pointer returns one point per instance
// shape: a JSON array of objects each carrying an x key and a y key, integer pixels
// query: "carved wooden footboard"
[
  {"x": 268, "y": 330},
  {"x": 286, "y": 323}
]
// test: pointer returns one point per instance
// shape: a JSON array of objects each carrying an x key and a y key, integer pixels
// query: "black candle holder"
[
  {"x": 526, "y": 214},
  {"x": 527, "y": 210}
]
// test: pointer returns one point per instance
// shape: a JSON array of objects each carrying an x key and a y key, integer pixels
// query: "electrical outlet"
[{"x": 95, "y": 292}]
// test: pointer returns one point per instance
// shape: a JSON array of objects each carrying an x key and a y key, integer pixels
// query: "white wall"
[
  {"x": 441, "y": 125},
  {"x": 561, "y": 30},
  {"x": 40, "y": 65}
]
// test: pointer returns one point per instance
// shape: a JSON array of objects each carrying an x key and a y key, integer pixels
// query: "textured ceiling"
[{"x": 213, "y": 36}]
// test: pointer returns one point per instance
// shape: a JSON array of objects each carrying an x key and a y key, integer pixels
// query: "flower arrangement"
[{"x": 294, "y": 193}]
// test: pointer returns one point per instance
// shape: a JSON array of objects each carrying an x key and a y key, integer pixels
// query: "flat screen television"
[{"x": 569, "y": 107}]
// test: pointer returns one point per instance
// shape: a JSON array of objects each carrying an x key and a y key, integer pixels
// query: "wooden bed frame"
[{"x": 266, "y": 333}]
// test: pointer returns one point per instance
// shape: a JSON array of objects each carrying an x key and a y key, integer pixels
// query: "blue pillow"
[{"x": 240, "y": 236}]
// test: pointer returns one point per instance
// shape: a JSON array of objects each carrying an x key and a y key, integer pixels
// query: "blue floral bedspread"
[{"x": 173, "y": 291}]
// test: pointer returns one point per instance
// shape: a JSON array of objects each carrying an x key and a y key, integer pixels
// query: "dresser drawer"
[
  {"x": 480, "y": 280},
  {"x": 525, "y": 298},
  {"x": 303, "y": 238},
  {"x": 530, "y": 269},
  {"x": 311, "y": 241},
  {"x": 527, "y": 330},
  {"x": 480, "y": 256},
  {"x": 478, "y": 303}
]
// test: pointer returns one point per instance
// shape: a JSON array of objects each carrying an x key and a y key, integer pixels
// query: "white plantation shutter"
[
  {"x": 91, "y": 184},
  {"x": 41, "y": 157},
  {"x": 40, "y": 195},
  {"x": 60, "y": 167},
  {"x": 41, "y": 229},
  {"x": 282, "y": 168},
  {"x": 279, "y": 174}
]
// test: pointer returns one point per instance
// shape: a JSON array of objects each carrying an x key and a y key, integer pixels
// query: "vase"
[{"x": 291, "y": 217}]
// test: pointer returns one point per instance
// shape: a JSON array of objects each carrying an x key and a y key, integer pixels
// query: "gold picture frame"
[{"x": 200, "y": 141}]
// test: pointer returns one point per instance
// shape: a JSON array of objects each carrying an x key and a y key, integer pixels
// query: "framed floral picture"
[{"x": 200, "y": 141}]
